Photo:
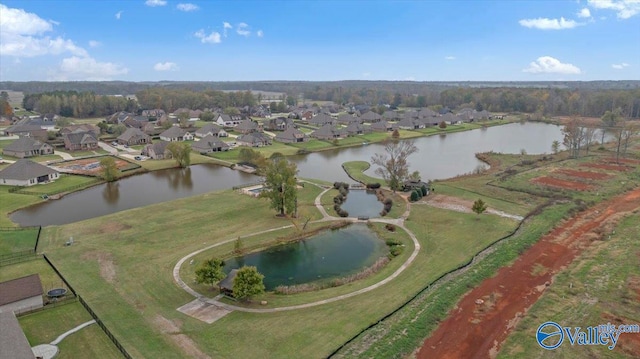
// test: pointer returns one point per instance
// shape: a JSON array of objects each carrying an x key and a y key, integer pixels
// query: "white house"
[{"x": 27, "y": 173}]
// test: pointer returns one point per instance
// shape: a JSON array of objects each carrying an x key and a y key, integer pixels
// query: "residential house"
[
  {"x": 25, "y": 147},
  {"x": 391, "y": 116},
  {"x": 355, "y": 128},
  {"x": 27, "y": 173},
  {"x": 411, "y": 185},
  {"x": 45, "y": 123},
  {"x": 291, "y": 135},
  {"x": 33, "y": 131},
  {"x": 410, "y": 124},
  {"x": 174, "y": 134},
  {"x": 211, "y": 129},
  {"x": 450, "y": 119},
  {"x": 346, "y": 119},
  {"x": 135, "y": 122},
  {"x": 383, "y": 126},
  {"x": 21, "y": 294},
  {"x": 154, "y": 114},
  {"x": 95, "y": 130},
  {"x": 229, "y": 120},
  {"x": 426, "y": 113},
  {"x": 255, "y": 139},
  {"x": 133, "y": 136},
  {"x": 118, "y": 117},
  {"x": 209, "y": 144},
  {"x": 13, "y": 342},
  {"x": 329, "y": 132},
  {"x": 322, "y": 119},
  {"x": 371, "y": 117},
  {"x": 278, "y": 124},
  {"x": 248, "y": 126},
  {"x": 80, "y": 141},
  {"x": 157, "y": 151}
]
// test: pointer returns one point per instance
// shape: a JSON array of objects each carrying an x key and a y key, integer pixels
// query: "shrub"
[
  {"x": 442, "y": 124},
  {"x": 424, "y": 190},
  {"x": 388, "y": 201},
  {"x": 373, "y": 185},
  {"x": 383, "y": 213},
  {"x": 395, "y": 251},
  {"x": 414, "y": 196},
  {"x": 343, "y": 213},
  {"x": 391, "y": 228}
]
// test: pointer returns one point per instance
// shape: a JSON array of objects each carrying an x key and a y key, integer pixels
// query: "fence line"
[
  {"x": 35, "y": 248},
  {"x": 18, "y": 257},
  {"x": 17, "y": 228}
]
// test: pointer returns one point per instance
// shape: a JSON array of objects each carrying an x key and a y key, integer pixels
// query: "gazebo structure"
[{"x": 226, "y": 285}]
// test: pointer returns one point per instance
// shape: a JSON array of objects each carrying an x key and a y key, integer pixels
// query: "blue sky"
[{"x": 152, "y": 40}]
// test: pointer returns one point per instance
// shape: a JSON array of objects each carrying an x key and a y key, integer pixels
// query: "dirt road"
[{"x": 485, "y": 316}]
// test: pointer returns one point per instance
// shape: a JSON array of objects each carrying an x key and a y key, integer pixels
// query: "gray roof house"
[
  {"x": 248, "y": 126},
  {"x": 25, "y": 147},
  {"x": 329, "y": 132},
  {"x": 357, "y": 129},
  {"x": 80, "y": 141},
  {"x": 255, "y": 139},
  {"x": 410, "y": 124},
  {"x": 391, "y": 116},
  {"x": 211, "y": 129},
  {"x": 322, "y": 119},
  {"x": 174, "y": 134},
  {"x": 27, "y": 131},
  {"x": 133, "y": 136},
  {"x": 278, "y": 124},
  {"x": 209, "y": 144},
  {"x": 21, "y": 294},
  {"x": 157, "y": 151},
  {"x": 27, "y": 173},
  {"x": 450, "y": 118},
  {"x": 427, "y": 112},
  {"x": 347, "y": 119},
  {"x": 291, "y": 135},
  {"x": 383, "y": 126},
  {"x": 13, "y": 342},
  {"x": 81, "y": 128},
  {"x": 371, "y": 117}
]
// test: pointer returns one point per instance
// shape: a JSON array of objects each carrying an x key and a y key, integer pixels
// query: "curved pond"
[
  {"x": 331, "y": 254},
  {"x": 360, "y": 203},
  {"x": 131, "y": 192}
]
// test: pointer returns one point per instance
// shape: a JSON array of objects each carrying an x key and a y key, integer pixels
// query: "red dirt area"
[
  {"x": 606, "y": 167},
  {"x": 484, "y": 317},
  {"x": 628, "y": 343},
  {"x": 564, "y": 184},
  {"x": 89, "y": 166},
  {"x": 623, "y": 160},
  {"x": 583, "y": 174}
]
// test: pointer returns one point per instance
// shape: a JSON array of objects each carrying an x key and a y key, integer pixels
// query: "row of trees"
[
  {"x": 77, "y": 104},
  {"x": 171, "y": 100},
  {"x": 247, "y": 283}
]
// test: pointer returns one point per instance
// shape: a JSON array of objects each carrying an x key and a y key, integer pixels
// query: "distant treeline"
[
  {"x": 545, "y": 98},
  {"x": 77, "y": 104}
]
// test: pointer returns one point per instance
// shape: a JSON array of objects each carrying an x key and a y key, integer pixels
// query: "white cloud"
[
  {"x": 624, "y": 8},
  {"x": 166, "y": 66},
  {"x": 449, "y": 57},
  {"x": 213, "y": 38},
  {"x": 187, "y": 7},
  {"x": 550, "y": 65},
  {"x": 119, "y": 14},
  {"x": 260, "y": 33},
  {"x": 18, "y": 21},
  {"x": 226, "y": 26},
  {"x": 584, "y": 13},
  {"x": 549, "y": 24},
  {"x": 243, "y": 29},
  {"x": 87, "y": 69},
  {"x": 94, "y": 43},
  {"x": 154, "y": 3},
  {"x": 620, "y": 66}
]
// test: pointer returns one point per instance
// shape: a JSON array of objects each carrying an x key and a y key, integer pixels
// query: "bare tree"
[
  {"x": 394, "y": 167},
  {"x": 573, "y": 137},
  {"x": 589, "y": 136},
  {"x": 629, "y": 130}
]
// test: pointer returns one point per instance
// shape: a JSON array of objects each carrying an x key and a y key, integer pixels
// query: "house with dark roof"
[
  {"x": 291, "y": 135},
  {"x": 248, "y": 126},
  {"x": 118, "y": 117},
  {"x": 13, "y": 342},
  {"x": 176, "y": 134},
  {"x": 153, "y": 114},
  {"x": 25, "y": 147},
  {"x": 157, "y": 151},
  {"x": 27, "y": 173},
  {"x": 226, "y": 285},
  {"x": 47, "y": 124},
  {"x": 26, "y": 131},
  {"x": 391, "y": 116},
  {"x": 450, "y": 119},
  {"x": 426, "y": 112},
  {"x": 81, "y": 128},
  {"x": 329, "y": 132},
  {"x": 80, "y": 141},
  {"x": 322, "y": 119},
  {"x": 209, "y": 144},
  {"x": 371, "y": 117},
  {"x": 211, "y": 129},
  {"x": 21, "y": 294},
  {"x": 278, "y": 124},
  {"x": 411, "y": 124},
  {"x": 255, "y": 139},
  {"x": 346, "y": 119},
  {"x": 133, "y": 136},
  {"x": 383, "y": 126},
  {"x": 355, "y": 128}
]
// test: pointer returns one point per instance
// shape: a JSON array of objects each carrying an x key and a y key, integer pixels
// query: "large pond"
[
  {"x": 361, "y": 203},
  {"x": 331, "y": 254},
  {"x": 131, "y": 192},
  {"x": 438, "y": 157}
]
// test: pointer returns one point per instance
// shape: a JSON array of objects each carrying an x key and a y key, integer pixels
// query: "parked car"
[
  {"x": 137, "y": 158},
  {"x": 114, "y": 143}
]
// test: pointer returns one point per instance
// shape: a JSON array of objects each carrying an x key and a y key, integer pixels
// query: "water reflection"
[
  {"x": 180, "y": 178},
  {"x": 111, "y": 192}
]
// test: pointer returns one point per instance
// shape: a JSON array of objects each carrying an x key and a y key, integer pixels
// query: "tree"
[
  {"x": 210, "y": 272},
  {"x": 252, "y": 156},
  {"x": 109, "y": 169},
  {"x": 479, "y": 206},
  {"x": 231, "y": 110},
  {"x": 207, "y": 116},
  {"x": 629, "y": 130},
  {"x": 610, "y": 120},
  {"x": 555, "y": 147},
  {"x": 395, "y": 134},
  {"x": 181, "y": 152},
  {"x": 184, "y": 119},
  {"x": 280, "y": 186},
  {"x": 394, "y": 167},
  {"x": 248, "y": 283},
  {"x": 573, "y": 137},
  {"x": 5, "y": 108},
  {"x": 442, "y": 125}
]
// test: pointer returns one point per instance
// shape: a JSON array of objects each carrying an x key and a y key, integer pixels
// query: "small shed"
[
  {"x": 226, "y": 285},
  {"x": 21, "y": 294}
]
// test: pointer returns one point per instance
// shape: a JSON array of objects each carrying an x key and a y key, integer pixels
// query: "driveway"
[{"x": 105, "y": 146}]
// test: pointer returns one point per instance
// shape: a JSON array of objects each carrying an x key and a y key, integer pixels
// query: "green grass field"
[
  {"x": 10, "y": 202},
  {"x": 12, "y": 241},
  {"x": 602, "y": 286},
  {"x": 62, "y": 184},
  {"x": 355, "y": 170}
]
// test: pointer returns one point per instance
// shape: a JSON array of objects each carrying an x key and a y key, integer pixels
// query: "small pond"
[
  {"x": 331, "y": 254},
  {"x": 361, "y": 203}
]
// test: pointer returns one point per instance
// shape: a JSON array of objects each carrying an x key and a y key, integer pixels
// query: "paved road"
[{"x": 112, "y": 150}]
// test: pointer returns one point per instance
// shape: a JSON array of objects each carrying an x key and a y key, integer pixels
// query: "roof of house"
[
  {"x": 130, "y": 133},
  {"x": 227, "y": 282},
  {"x": 247, "y": 125},
  {"x": 24, "y": 144},
  {"x": 209, "y": 127},
  {"x": 25, "y": 169},
  {"x": 173, "y": 132},
  {"x": 158, "y": 147},
  {"x": 371, "y": 116},
  {"x": 290, "y": 134},
  {"x": 13, "y": 342},
  {"x": 427, "y": 112},
  {"x": 255, "y": 137},
  {"x": 208, "y": 143},
  {"x": 80, "y": 128},
  {"x": 381, "y": 125},
  {"x": 347, "y": 119},
  {"x": 355, "y": 127},
  {"x": 408, "y": 122},
  {"x": 79, "y": 138},
  {"x": 20, "y": 288},
  {"x": 322, "y": 119},
  {"x": 329, "y": 130},
  {"x": 23, "y": 128},
  {"x": 390, "y": 115}
]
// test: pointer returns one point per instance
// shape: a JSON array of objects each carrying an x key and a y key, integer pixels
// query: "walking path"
[
  {"x": 76, "y": 329},
  {"x": 221, "y": 309},
  {"x": 49, "y": 351},
  {"x": 64, "y": 155}
]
